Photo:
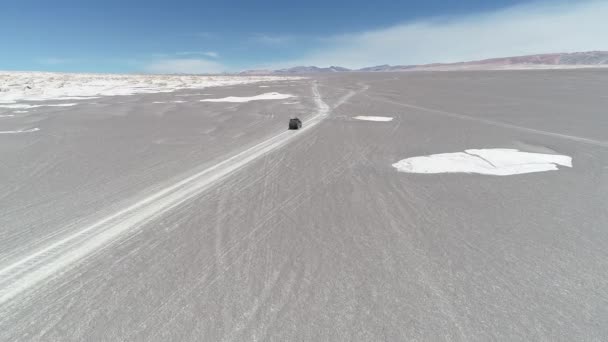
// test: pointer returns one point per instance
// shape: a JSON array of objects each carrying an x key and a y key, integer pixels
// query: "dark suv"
[{"x": 295, "y": 123}]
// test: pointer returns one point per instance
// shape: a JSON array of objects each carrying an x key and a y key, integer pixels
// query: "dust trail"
[
  {"x": 60, "y": 255},
  {"x": 497, "y": 123}
]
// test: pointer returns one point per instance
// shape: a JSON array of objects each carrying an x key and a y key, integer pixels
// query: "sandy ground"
[{"x": 318, "y": 237}]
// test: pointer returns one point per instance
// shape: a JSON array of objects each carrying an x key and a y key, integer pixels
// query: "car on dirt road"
[{"x": 295, "y": 123}]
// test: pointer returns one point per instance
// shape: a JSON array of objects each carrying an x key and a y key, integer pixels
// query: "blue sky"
[{"x": 214, "y": 36}]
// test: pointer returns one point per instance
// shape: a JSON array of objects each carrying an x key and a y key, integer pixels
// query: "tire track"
[
  {"x": 63, "y": 254},
  {"x": 259, "y": 301},
  {"x": 350, "y": 94},
  {"x": 281, "y": 211},
  {"x": 494, "y": 123}
]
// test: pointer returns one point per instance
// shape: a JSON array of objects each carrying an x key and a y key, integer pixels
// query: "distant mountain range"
[
  {"x": 296, "y": 70},
  {"x": 543, "y": 61}
]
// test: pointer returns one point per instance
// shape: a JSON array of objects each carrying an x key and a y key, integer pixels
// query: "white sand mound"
[
  {"x": 374, "y": 118},
  {"x": 266, "y": 96},
  {"x": 496, "y": 162}
]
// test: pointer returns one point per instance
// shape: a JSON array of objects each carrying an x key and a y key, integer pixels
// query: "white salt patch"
[
  {"x": 41, "y": 86},
  {"x": 374, "y": 118},
  {"x": 158, "y": 102},
  {"x": 20, "y": 131},
  {"x": 80, "y": 97},
  {"x": 27, "y": 106},
  {"x": 266, "y": 96},
  {"x": 496, "y": 162},
  {"x": 60, "y": 105},
  {"x": 18, "y": 106},
  {"x": 193, "y": 95}
]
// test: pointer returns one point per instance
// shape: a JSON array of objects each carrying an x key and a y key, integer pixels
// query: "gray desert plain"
[{"x": 158, "y": 217}]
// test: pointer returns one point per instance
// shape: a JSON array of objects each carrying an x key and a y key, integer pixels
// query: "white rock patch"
[
  {"x": 266, "y": 96},
  {"x": 495, "y": 162},
  {"x": 374, "y": 118}
]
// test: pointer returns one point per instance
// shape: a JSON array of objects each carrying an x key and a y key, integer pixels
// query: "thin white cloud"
[
  {"x": 206, "y": 35},
  {"x": 211, "y": 54},
  {"x": 160, "y": 55},
  {"x": 184, "y": 66},
  {"x": 541, "y": 27},
  {"x": 55, "y": 61},
  {"x": 271, "y": 39}
]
